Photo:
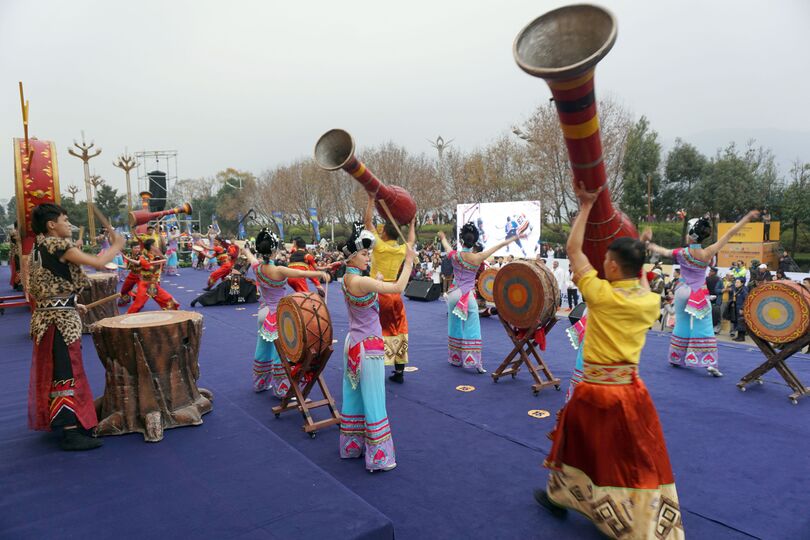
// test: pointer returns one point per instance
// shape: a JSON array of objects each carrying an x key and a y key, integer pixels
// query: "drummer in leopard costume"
[
  {"x": 59, "y": 394},
  {"x": 364, "y": 426},
  {"x": 693, "y": 343},
  {"x": 272, "y": 281}
]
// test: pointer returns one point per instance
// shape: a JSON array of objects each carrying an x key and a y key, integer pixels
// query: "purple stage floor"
[{"x": 467, "y": 462}]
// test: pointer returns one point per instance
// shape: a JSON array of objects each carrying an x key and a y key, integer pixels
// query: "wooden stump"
[
  {"x": 151, "y": 373},
  {"x": 102, "y": 285}
]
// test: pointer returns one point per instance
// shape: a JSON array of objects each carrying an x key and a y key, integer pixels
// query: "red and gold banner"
[{"x": 36, "y": 179}]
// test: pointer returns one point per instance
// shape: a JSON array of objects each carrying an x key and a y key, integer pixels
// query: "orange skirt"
[
  {"x": 609, "y": 459},
  {"x": 394, "y": 324}
]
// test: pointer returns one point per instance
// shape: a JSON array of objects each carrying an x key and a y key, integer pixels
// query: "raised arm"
[
  {"x": 77, "y": 256},
  {"x": 576, "y": 237},
  {"x": 712, "y": 250},
  {"x": 368, "y": 215},
  {"x": 646, "y": 237},
  {"x": 367, "y": 284},
  {"x": 445, "y": 243},
  {"x": 295, "y": 273},
  {"x": 478, "y": 258}
]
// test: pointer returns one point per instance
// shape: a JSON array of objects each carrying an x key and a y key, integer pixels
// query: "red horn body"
[
  {"x": 588, "y": 32},
  {"x": 141, "y": 217},
  {"x": 335, "y": 150}
]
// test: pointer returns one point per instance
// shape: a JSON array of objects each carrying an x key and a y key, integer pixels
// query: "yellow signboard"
[{"x": 751, "y": 232}]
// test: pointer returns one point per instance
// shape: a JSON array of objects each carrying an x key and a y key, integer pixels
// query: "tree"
[
  {"x": 110, "y": 204},
  {"x": 4, "y": 221},
  {"x": 642, "y": 158},
  {"x": 684, "y": 168},
  {"x": 77, "y": 212},
  {"x": 797, "y": 199},
  {"x": 11, "y": 209}
]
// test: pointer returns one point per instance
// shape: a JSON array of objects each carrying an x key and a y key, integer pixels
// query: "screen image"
[{"x": 500, "y": 220}]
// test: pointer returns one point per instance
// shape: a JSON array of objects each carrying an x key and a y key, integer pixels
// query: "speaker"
[
  {"x": 577, "y": 313},
  {"x": 157, "y": 185},
  {"x": 426, "y": 291}
]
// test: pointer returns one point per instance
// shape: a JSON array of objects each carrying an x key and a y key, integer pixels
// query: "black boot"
[
  {"x": 397, "y": 376},
  {"x": 73, "y": 439},
  {"x": 542, "y": 499}
]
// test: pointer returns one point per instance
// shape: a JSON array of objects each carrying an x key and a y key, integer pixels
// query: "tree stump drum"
[
  {"x": 525, "y": 294},
  {"x": 486, "y": 284},
  {"x": 778, "y": 311},
  {"x": 151, "y": 368},
  {"x": 102, "y": 285}
]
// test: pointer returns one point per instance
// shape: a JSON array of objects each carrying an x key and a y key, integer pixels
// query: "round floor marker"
[
  {"x": 240, "y": 309},
  {"x": 465, "y": 388},
  {"x": 411, "y": 369},
  {"x": 539, "y": 413}
]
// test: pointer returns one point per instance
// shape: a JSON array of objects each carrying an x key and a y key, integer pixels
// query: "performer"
[
  {"x": 199, "y": 261},
  {"x": 608, "y": 459},
  {"x": 464, "y": 326},
  {"x": 576, "y": 335},
  {"x": 14, "y": 240},
  {"x": 149, "y": 280},
  {"x": 272, "y": 281},
  {"x": 301, "y": 259},
  {"x": 59, "y": 395},
  {"x": 386, "y": 260},
  {"x": 693, "y": 343},
  {"x": 364, "y": 426},
  {"x": 225, "y": 254},
  {"x": 171, "y": 252},
  {"x": 133, "y": 276}
]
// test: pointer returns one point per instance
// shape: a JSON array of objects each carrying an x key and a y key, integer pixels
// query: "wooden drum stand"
[
  {"x": 304, "y": 345},
  {"x": 526, "y": 297}
]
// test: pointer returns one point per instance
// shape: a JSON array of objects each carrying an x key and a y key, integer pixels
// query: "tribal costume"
[
  {"x": 463, "y": 326},
  {"x": 149, "y": 287},
  {"x": 132, "y": 279},
  {"x": 609, "y": 460},
  {"x": 171, "y": 254},
  {"x": 693, "y": 342},
  {"x": 364, "y": 424},
  {"x": 386, "y": 259},
  {"x": 225, "y": 257},
  {"x": 301, "y": 259},
  {"x": 59, "y": 394},
  {"x": 267, "y": 369}
]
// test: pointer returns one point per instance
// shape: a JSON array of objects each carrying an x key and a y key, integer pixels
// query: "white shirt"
[{"x": 562, "y": 277}]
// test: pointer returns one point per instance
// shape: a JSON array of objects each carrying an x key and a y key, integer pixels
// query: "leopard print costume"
[{"x": 43, "y": 284}]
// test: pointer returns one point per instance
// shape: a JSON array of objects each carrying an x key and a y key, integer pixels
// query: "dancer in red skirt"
[
  {"x": 301, "y": 259},
  {"x": 609, "y": 460}
]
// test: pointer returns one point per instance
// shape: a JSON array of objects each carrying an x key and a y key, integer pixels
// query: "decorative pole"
[
  {"x": 86, "y": 156},
  {"x": 73, "y": 190},
  {"x": 127, "y": 163}
]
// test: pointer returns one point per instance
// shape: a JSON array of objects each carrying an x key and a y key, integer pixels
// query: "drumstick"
[
  {"x": 388, "y": 213},
  {"x": 81, "y": 233},
  {"x": 102, "y": 301},
  {"x": 104, "y": 222}
]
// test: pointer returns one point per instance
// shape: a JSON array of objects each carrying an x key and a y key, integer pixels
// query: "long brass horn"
[
  {"x": 563, "y": 47},
  {"x": 139, "y": 217}
]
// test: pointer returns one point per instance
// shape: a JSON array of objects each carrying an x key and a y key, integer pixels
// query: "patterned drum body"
[
  {"x": 102, "y": 285},
  {"x": 525, "y": 294},
  {"x": 304, "y": 326},
  {"x": 778, "y": 311},
  {"x": 486, "y": 284}
]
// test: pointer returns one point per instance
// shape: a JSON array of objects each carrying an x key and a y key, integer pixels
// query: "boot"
[
  {"x": 398, "y": 376},
  {"x": 542, "y": 499},
  {"x": 74, "y": 440}
]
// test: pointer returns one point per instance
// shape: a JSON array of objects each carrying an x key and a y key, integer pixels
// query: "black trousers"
[
  {"x": 573, "y": 298},
  {"x": 62, "y": 371}
]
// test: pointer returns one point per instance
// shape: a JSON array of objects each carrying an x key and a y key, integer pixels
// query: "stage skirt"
[
  {"x": 609, "y": 460},
  {"x": 464, "y": 335},
  {"x": 693, "y": 343},
  {"x": 364, "y": 427},
  {"x": 66, "y": 395},
  {"x": 394, "y": 324},
  {"x": 267, "y": 369},
  {"x": 171, "y": 263}
]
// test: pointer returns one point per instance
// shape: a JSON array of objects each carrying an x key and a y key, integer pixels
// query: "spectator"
[
  {"x": 447, "y": 273},
  {"x": 780, "y": 275},
  {"x": 738, "y": 295},
  {"x": 573, "y": 292},
  {"x": 785, "y": 262},
  {"x": 712, "y": 282},
  {"x": 726, "y": 286},
  {"x": 560, "y": 278}
]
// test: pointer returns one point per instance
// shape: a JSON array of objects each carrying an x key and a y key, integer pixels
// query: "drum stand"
[
  {"x": 519, "y": 355},
  {"x": 300, "y": 394},
  {"x": 16, "y": 300},
  {"x": 776, "y": 360}
]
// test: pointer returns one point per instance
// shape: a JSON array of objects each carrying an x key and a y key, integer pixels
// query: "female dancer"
[
  {"x": 693, "y": 341},
  {"x": 464, "y": 326},
  {"x": 364, "y": 424},
  {"x": 171, "y": 252},
  {"x": 59, "y": 394},
  {"x": 272, "y": 281}
]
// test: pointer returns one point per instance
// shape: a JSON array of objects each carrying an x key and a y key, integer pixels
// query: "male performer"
[
  {"x": 134, "y": 274},
  {"x": 301, "y": 259},
  {"x": 609, "y": 460},
  {"x": 14, "y": 258},
  {"x": 149, "y": 283},
  {"x": 225, "y": 254},
  {"x": 386, "y": 260}
]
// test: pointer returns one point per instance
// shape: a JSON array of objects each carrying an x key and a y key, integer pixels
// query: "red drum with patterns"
[
  {"x": 778, "y": 311},
  {"x": 525, "y": 293},
  {"x": 304, "y": 327},
  {"x": 486, "y": 284}
]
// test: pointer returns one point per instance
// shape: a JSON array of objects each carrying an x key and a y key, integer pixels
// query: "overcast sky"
[{"x": 253, "y": 84}]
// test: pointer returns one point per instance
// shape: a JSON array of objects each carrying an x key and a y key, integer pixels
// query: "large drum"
[
  {"x": 486, "y": 284},
  {"x": 304, "y": 327},
  {"x": 525, "y": 294},
  {"x": 150, "y": 360},
  {"x": 102, "y": 285},
  {"x": 778, "y": 311}
]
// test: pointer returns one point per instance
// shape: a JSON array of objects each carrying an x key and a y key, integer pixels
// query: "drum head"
[
  {"x": 486, "y": 284},
  {"x": 198, "y": 249},
  {"x": 291, "y": 330},
  {"x": 778, "y": 312},
  {"x": 303, "y": 326},
  {"x": 524, "y": 294},
  {"x": 111, "y": 266}
]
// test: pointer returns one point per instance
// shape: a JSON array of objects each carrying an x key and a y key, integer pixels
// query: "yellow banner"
[{"x": 751, "y": 232}]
